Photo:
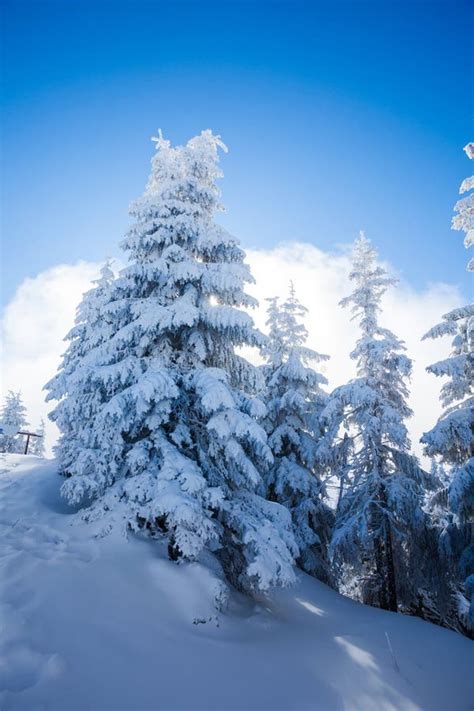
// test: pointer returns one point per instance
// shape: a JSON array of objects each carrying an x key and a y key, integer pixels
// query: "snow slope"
[{"x": 111, "y": 624}]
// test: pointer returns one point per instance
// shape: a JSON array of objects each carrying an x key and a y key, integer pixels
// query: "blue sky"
[{"x": 338, "y": 116}]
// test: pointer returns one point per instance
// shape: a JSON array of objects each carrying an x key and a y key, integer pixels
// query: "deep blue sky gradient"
[{"x": 338, "y": 116}]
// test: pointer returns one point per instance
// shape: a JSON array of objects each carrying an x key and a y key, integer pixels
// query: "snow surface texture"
[{"x": 110, "y": 624}]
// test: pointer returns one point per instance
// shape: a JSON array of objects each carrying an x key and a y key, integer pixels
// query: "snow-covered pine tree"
[
  {"x": 464, "y": 218},
  {"x": 294, "y": 399},
  {"x": 14, "y": 415},
  {"x": 180, "y": 448},
  {"x": 452, "y": 438},
  {"x": 38, "y": 444},
  {"x": 380, "y": 510},
  {"x": 75, "y": 387},
  {"x": 440, "y": 542}
]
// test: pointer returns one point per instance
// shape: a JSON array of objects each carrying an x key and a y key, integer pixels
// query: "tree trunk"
[
  {"x": 390, "y": 578},
  {"x": 391, "y": 581},
  {"x": 383, "y": 553},
  {"x": 380, "y": 573}
]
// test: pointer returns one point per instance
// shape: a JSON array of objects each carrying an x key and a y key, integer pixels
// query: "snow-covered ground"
[{"x": 111, "y": 624}]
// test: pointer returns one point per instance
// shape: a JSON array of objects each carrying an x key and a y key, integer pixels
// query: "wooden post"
[{"x": 28, "y": 435}]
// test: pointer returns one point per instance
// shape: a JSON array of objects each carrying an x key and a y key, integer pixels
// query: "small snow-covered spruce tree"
[
  {"x": 452, "y": 438},
  {"x": 379, "y": 510},
  {"x": 38, "y": 445},
  {"x": 180, "y": 447},
  {"x": 294, "y": 399},
  {"x": 13, "y": 415},
  {"x": 78, "y": 392}
]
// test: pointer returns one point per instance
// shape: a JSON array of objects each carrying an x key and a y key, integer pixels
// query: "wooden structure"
[{"x": 28, "y": 435}]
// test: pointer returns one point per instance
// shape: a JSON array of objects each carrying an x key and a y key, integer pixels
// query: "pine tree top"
[
  {"x": 371, "y": 282},
  {"x": 464, "y": 218}
]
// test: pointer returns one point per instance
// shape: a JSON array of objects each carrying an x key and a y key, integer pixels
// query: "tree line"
[
  {"x": 166, "y": 429},
  {"x": 14, "y": 418}
]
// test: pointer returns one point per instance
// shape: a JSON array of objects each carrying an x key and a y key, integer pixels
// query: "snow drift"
[{"x": 110, "y": 624}]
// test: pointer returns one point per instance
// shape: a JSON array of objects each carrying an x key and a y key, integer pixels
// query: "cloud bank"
[
  {"x": 321, "y": 280},
  {"x": 43, "y": 308},
  {"x": 34, "y": 324}
]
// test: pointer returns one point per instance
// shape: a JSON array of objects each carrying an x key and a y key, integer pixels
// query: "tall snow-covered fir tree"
[
  {"x": 177, "y": 446},
  {"x": 380, "y": 507},
  {"x": 14, "y": 415},
  {"x": 75, "y": 386},
  {"x": 294, "y": 399},
  {"x": 452, "y": 438}
]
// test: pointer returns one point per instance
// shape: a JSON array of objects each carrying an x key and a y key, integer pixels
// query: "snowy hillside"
[{"x": 109, "y": 624}]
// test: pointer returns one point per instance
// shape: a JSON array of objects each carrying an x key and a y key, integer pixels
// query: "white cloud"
[
  {"x": 33, "y": 328},
  {"x": 42, "y": 311}
]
